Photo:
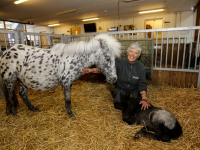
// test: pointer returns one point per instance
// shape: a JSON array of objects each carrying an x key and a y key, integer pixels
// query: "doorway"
[
  {"x": 76, "y": 31},
  {"x": 43, "y": 41},
  {"x": 154, "y": 24}
]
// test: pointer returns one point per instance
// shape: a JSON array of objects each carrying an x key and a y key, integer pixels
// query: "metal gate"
[{"x": 174, "y": 49}]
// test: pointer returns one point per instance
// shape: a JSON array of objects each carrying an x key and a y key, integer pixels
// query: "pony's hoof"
[
  {"x": 72, "y": 116},
  {"x": 12, "y": 111},
  {"x": 33, "y": 109},
  {"x": 139, "y": 134},
  {"x": 14, "y": 114}
]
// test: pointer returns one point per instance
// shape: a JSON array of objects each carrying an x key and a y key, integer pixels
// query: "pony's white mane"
[{"x": 87, "y": 47}]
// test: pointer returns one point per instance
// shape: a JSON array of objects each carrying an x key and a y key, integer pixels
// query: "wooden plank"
[
  {"x": 175, "y": 78},
  {"x": 183, "y": 79}
]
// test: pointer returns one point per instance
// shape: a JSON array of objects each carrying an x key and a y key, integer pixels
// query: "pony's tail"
[
  {"x": 1, "y": 52},
  {"x": 6, "y": 96}
]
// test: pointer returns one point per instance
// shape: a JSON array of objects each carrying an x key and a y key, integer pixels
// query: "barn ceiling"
[{"x": 45, "y": 12}]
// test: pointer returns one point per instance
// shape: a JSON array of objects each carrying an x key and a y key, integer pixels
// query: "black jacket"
[{"x": 131, "y": 76}]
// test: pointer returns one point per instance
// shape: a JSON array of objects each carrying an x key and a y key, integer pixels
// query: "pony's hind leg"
[
  {"x": 68, "y": 101},
  {"x": 23, "y": 93},
  {"x": 11, "y": 98},
  {"x": 143, "y": 133}
]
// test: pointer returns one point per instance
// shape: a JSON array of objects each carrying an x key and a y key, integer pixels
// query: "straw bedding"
[{"x": 98, "y": 125}]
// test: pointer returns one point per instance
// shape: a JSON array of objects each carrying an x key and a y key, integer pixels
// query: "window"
[
  {"x": 9, "y": 25},
  {"x": 1, "y": 24}
]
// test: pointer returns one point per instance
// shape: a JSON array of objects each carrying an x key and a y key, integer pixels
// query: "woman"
[{"x": 131, "y": 76}]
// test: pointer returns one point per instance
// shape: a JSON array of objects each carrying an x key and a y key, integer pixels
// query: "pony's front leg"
[
  {"x": 67, "y": 91},
  {"x": 23, "y": 93}
]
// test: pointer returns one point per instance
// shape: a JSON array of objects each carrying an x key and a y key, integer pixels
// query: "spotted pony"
[{"x": 44, "y": 69}]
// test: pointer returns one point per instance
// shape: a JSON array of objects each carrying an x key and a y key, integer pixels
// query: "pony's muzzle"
[{"x": 112, "y": 80}]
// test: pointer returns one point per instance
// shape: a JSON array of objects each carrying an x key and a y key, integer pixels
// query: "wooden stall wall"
[{"x": 175, "y": 78}]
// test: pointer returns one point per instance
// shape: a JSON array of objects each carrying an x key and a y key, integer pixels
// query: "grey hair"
[{"x": 135, "y": 45}]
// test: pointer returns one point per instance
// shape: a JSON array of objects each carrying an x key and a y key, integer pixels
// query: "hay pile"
[{"x": 98, "y": 125}]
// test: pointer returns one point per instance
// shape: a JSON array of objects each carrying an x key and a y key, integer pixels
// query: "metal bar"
[
  {"x": 172, "y": 55},
  {"x": 42, "y": 41},
  {"x": 178, "y": 50},
  {"x": 161, "y": 51},
  {"x": 46, "y": 41},
  {"x": 183, "y": 62},
  {"x": 197, "y": 48},
  {"x": 34, "y": 40},
  {"x": 190, "y": 50},
  {"x": 198, "y": 81},
  {"x": 39, "y": 40},
  {"x": 156, "y": 48},
  {"x": 167, "y": 49},
  {"x": 31, "y": 41},
  {"x": 21, "y": 37},
  {"x": 174, "y": 69},
  {"x": 62, "y": 38},
  {"x": 5, "y": 40},
  {"x": 26, "y": 40}
]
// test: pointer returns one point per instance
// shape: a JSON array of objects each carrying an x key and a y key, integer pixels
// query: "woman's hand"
[
  {"x": 144, "y": 104},
  {"x": 86, "y": 70},
  {"x": 90, "y": 70}
]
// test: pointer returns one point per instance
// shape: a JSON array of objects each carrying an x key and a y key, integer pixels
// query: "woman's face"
[{"x": 133, "y": 55}]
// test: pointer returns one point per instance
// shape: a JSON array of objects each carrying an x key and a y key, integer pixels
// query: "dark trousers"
[{"x": 116, "y": 95}]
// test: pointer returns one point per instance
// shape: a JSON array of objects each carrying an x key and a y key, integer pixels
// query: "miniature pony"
[{"x": 45, "y": 69}]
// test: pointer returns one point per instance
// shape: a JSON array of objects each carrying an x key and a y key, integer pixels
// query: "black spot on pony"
[
  {"x": 45, "y": 69},
  {"x": 162, "y": 123}
]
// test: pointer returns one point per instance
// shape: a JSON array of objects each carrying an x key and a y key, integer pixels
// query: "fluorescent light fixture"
[
  {"x": 53, "y": 24},
  {"x": 66, "y": 12},
  {"x": 149, "y": 11},
  {"x": 20, "y": 1},
  {"x": 90, "y": 19},
  {"x": 113, "y": 29}
]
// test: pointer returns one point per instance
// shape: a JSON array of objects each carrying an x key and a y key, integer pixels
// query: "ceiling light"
[
  {"x": 53, "y": 24},
  {"x": 20, "y": 1},
  {"x": 149, "y": 11},
  {"x": 66, "y": 12},
  {"x": 90, "y": 19},
  {"x": 193, "y": 8}
]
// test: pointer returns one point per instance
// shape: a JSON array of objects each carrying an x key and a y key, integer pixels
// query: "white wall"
[
  {"x": 38, "y": 29},
  {"x": 180, "y": 19}
]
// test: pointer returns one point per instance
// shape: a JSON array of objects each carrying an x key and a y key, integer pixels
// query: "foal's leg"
[
  {"x": 67, "y": 91},
  {"x": 23, "y": 93},
  {"x": 159, "y": 137},
  {"x": 144, "y": 133}
]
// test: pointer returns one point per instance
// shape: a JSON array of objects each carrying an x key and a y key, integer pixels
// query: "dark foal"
[{"x": 162, "y": 123}]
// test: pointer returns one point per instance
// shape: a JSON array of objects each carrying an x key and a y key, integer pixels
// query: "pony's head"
[
  {"x": 106, "y": 64},
  {"x": 108, "y": 51}
]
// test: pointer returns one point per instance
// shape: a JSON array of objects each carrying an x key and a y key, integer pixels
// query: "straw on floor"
[{"x": 98, "y": 126}]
